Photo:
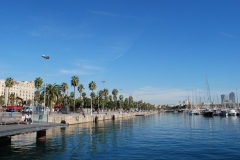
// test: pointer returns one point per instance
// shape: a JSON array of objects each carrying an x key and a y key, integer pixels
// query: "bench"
[{"x": 5, "y": 120}]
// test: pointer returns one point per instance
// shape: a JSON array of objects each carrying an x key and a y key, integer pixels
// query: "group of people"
[{"x": 26, "y": 118}]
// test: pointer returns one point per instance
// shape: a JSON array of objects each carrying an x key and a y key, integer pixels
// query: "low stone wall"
[{"x": 76, "y": 119}]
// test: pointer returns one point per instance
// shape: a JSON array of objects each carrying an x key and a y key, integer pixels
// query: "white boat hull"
[{"x": 232, "y": 112}]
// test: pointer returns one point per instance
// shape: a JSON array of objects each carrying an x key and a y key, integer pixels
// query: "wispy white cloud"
[
  {"x": 174, "y": 95},
  {"x": 75, "y": 72},
  {"x": 229, "y": 35},
  {"x": 35, "y": 33},
  {"x": 160, "y": 96},
  {"x": 83, "y": 67},
  {"x": 104, "y": 13},
  {"x": 119, "y": 47},
  {"x": 92, "y": 67},
  {"x": 118, "y": 56},
  {"x": 52, "y": 30}
]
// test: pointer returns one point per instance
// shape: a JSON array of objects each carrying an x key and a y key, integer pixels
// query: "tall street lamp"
[{"x": 44, "y": 101}]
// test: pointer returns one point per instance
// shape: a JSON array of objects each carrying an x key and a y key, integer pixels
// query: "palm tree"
[
  {"x": 37, "y": 96},
  {"x": 8, "y": 83},
  {"x": 64, "y": 87},
  {"x": 38, "y": 84},
  {"x": 29, "y": 102},
  {"x": 93, "y": 96},
  {"x": 114, "y": 93},
  {"x": 100, "y": 96},
  {"x": 126, "y": 102},
  {"x": 110, "y": 103},
  {"x": 130, "y": 101},
  {"x": 1, "y": 100},
  {"x": 53, "y": 92},
  {"x": 74, "y": 83},
  {"x": 121, "y": 99},
  {"x": 92, "y": 86},
  {"x": 12, "y": 98},
  {"x": 71, "y": 98},
  {"x": 105, "y": 92},
  {"x": 71, "y": 95},
  {"x": 84, "y": 98},
  {"x": 80, "y": 89}
]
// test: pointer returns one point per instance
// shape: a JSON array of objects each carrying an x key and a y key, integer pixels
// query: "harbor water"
[{"x": 157, "y": 136}]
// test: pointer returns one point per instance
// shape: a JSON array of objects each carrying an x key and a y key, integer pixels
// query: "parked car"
[{"x": 26, "y": 109}]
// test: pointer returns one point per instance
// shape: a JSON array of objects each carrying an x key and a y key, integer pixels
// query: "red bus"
[{"x": 14, "y": 108}]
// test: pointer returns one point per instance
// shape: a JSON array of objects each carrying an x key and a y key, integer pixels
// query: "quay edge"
[{"x": 77, "y": 119}]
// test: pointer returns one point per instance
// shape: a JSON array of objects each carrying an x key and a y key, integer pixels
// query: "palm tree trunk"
[
  {"x": 8, "y": 95},
  {"x": 50, "y": 112},
  {"x": 91, "y": 104},
  {"x": 74, "y": 101}
]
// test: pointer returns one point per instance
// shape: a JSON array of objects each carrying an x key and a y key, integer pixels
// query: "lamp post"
[{"x": 44, "y": 99}]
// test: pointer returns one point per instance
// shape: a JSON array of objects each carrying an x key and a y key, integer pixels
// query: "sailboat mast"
[
  {"x": 208, "y": 91},
  {"x": 237, "y": 98}
]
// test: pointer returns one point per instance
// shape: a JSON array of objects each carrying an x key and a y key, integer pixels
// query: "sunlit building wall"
[{"x": 22, "y": 89}]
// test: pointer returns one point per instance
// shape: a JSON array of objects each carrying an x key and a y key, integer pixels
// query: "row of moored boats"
[{"x": 216, "y": 112}]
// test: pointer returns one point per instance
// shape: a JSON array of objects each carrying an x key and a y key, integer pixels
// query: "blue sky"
[{"x": 158, "y": 51}]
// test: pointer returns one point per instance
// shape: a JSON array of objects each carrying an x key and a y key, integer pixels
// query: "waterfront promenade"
[
  {"x": 14, "y": 129},
  {"x": 76, "y": 118},
  {"x": 43, "y": 122}
]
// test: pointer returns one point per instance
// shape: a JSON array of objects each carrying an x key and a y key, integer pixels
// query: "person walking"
[{"x": 28, "y": 118}]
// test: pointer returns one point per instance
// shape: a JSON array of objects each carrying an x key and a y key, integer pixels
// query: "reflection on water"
[
  {"x": 160, "y": 136},
  {"x": 23, "y": 140}
]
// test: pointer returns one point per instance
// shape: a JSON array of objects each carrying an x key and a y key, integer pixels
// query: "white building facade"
[{"x": 22, "y": 89}]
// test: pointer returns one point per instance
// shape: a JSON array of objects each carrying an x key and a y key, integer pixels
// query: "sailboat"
[
  {"x": 193, "y": 111},
  {"x": 207, "y": 112}
]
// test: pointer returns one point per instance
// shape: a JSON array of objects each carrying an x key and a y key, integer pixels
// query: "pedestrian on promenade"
[
  {"x": 28, "y": 119},
  {"x": 22, "y": 118}
]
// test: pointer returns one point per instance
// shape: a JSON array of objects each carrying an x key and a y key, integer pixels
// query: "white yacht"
[
  {"x": 175, "y": 111},
  {"x": 194, "y": 112},
  {"x": 232, "y": 112}
]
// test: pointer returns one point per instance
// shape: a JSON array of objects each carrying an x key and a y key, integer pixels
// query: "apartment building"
[
  {"x": 22, "y": 89},
  {"x": 232, "y": 97}
]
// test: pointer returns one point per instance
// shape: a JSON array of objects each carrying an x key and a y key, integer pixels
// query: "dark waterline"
[{"x": 160, "y": 136}]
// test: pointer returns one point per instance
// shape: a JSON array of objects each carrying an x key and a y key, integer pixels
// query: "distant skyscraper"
[
  {"x": 224, "y": 98},
  {"x": 231, "y": 97}
]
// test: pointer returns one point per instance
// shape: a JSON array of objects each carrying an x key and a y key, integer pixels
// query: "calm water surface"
[{"x": 159, "y": 136}]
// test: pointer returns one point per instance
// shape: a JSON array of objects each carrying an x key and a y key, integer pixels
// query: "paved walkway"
[
  {"x": 13, "y": 129},
  {"x": 38, "y": 124},
  {"x": 37, "y": 116}
]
